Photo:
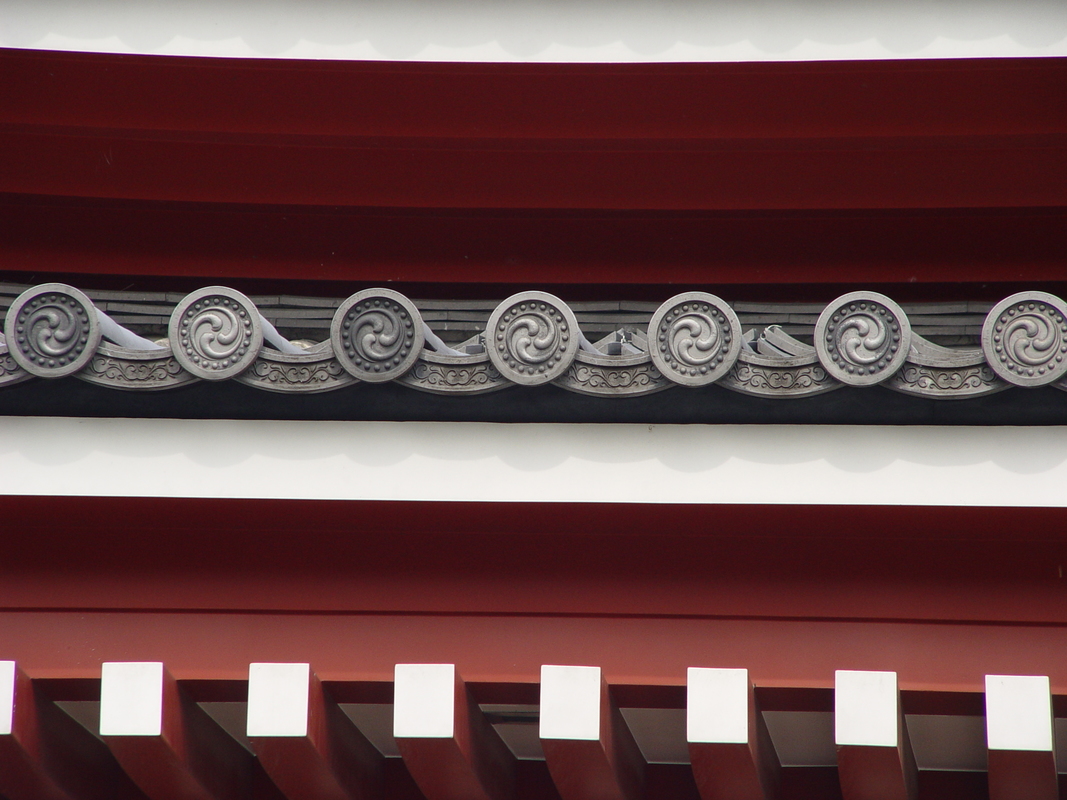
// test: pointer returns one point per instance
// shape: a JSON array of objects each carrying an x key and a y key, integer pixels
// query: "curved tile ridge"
[{"x": 694, "y": 339}]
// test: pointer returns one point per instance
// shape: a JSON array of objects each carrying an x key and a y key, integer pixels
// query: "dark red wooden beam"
[
  {"x": 942, "y": 97},
  {"x": 893, "y": 135},
  {"x": 730, "y": 747},
  {"x": 912, "y": 172},
  {"x": 809, "y": 562},
  {"x": 448, "y": 745},
  {"x": 1021, "y": 738},
  {"x": 588, "y": 746},
  {"x": 487, "y": 253},
  {"x": 874, "y": 756},
  {"x": 165, "y": 742},
  {"x": 47, "y": 755},
  {"x": 509, "y": 649},
  {"x": 310, "y": 753}
]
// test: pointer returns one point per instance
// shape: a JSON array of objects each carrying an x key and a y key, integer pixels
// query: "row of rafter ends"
[
  {"x": 167, "y": 746},
  {"x": 693, "y": 339}
]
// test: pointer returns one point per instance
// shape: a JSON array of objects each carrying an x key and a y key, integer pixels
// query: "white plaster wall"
[
  {"x": 544, "y": 30},
  {"x": 813, "y": 464}
]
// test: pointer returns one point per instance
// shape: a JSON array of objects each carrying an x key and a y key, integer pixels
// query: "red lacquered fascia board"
[
  {"x": 456, "y": 253},
  {"x": 1002, "y": 566},
  {"x": 663, "y": 101},
  {"x": 842, "y": 135},
  {"x": 1010, "y": 171}
]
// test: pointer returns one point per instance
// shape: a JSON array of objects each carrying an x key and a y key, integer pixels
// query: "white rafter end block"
[
  {"x": 866, "y": 708},
  {"x": 570, "y": 703},
  {"x": 278, "y": 699},
  {"x": 1018, "y": 711},
  {"x": 424, "y": 703},
  {"x": 7, "y": 697},
  {"x": 131, "y": 698},
  {"x": 717, "y": 706}
]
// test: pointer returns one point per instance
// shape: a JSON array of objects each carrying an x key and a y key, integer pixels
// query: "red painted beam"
[
  {"x": 778, "y": 562},
  {"x": 1021, "y": 738},
  {"x": 509, "y": 649},
  {"x": 1021, "y": 775},
  {"x": 682, "y": 101},
  {"x": 869, "y": 773},
  {"x": 486, "y": 253},
  {"x": 940, "y": 134},
  {"x": 330, "y": 759},
  {"x": 181, "y": 754},
  {"x": 448, "y": 745},
  {"x": 730, "y": 747},
  {"x": 1011, "y": 171},
  {"x": 588, "y": 746},
  {"x": 874, "y": 756},
  {"x": 46, "y": 755},
  {"x": 447, "y": 254}
]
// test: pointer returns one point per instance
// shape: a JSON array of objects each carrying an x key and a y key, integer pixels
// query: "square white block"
[
  {"x": 1018, "y": 712},
  {"x": 570, "y": 703},
  {"x": 278, "y": 699},
  {"x": 131, "y": 698},
  {"x": 866, "y": 708},
  {"x": 716, "y": 708},
  {"x": 424, "y": 702},
  {"x": 7, "y": 696}
]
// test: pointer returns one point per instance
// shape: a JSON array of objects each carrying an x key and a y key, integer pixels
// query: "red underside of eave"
[{"x": 885, "y": 173}]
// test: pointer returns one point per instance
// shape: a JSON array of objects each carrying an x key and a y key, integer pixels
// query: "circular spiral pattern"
[
  {"x": 215, "y": 333},
  {"x": 862, "y": 338},
  {"x": 694, "y": 338},
  {"x": 1024, "y": 338},
  {"x": 52, "y": 330},
  {"x": 377, "y": 335},
  {"x": 533, "y": 338}
]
